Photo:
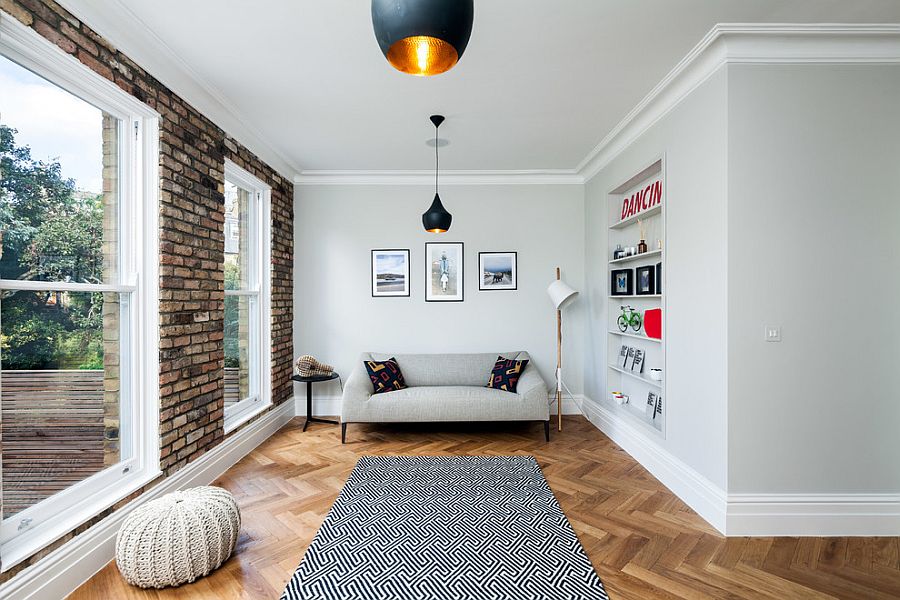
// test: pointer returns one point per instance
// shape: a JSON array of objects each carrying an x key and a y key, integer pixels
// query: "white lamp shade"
[{"x": 559, "y": 292}]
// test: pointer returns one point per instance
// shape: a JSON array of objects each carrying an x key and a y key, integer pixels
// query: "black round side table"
[{"x": 309, "y": 381}]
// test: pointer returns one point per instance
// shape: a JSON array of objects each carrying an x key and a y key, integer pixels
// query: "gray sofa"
[{"x": 444, "y": 387}]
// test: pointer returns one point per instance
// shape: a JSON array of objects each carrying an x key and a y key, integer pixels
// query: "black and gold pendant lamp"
[
  {"x": 423, "y": 37},
  {"x": 436, "y": 219}
]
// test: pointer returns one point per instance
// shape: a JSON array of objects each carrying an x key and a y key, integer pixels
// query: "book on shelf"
[
  {"x": 650, "y": 406},
  {"x": 623, "y": 357},
  {"x": 637, "y": 365},
  {"x": 629, "y": 360},
  {"x": 657, "y": 410}
]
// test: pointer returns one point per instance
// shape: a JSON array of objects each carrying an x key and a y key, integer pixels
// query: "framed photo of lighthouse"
[{"x": 444, "y": 272}]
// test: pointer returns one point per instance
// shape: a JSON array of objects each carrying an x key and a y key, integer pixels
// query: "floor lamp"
[{"x": 559, "y": 293}]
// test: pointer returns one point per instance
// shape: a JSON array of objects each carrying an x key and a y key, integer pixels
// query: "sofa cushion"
[
  {"x": 386, "y": 375},
  {"x": 505, "y": 374},
  {"x": 446, "y": 369}
]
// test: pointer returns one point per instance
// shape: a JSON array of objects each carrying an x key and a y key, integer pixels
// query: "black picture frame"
[
  {"x": 645, "y": 281},
  {"x": 659, "y": 279},
  {"x": 374, "y": 282},
  {"x": 514, "y": 275},
  {"x": 628, "y": 281},
  {"x": 430, "y": 296}
]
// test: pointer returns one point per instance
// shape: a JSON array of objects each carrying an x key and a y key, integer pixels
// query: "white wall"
[
  {"x": 692, "y": 136},
  {"x": 814, "y": 210},
  {"x": 336, "y": 318}
]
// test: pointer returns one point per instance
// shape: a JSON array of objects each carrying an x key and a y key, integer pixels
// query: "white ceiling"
[{"x": 541, "y": 83}]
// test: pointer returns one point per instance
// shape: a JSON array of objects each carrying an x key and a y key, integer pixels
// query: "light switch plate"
[{"x": 773, "y": 333}]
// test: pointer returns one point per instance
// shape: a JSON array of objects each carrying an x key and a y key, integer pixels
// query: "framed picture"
[
  {"x": 646, "y": 278},
  {"x": 659, "y": 289},
  {"x": 621, "y": 282},
  {"x": 498, "y": 271},
  {"x": 444, "y": 272},
  {"x": 390, "y": 273}
]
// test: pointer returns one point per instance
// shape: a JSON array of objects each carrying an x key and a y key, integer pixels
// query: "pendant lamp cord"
[{"x": 436, "y": 158}]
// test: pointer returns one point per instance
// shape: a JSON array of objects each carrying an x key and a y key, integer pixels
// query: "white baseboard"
[
  {"x": 839, "y": 515},
  {"x": 331, "y": 405},
  {"x": 695, "y": 490},
  {"x": 63, "y": 570}
]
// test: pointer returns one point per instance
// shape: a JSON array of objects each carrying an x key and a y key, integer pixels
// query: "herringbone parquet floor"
[{"x": 644, "y": 542}]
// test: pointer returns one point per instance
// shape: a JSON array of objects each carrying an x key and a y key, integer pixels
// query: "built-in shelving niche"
[{"x": 624, "y": 230}]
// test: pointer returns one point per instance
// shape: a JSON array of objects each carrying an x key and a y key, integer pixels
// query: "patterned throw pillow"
[
  {"x": 385, "y": 375},
  {"x": 506, "y": 373}
]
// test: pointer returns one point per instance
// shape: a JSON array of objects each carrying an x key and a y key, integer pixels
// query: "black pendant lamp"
[
  {"x": 436, "y": 219},
  {"x": 423, "y": 37}
]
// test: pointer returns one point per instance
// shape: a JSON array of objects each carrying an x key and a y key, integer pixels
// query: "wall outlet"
[{"x": 773, "y": 333}]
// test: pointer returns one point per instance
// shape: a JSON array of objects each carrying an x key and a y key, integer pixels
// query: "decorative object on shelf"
[
  {"x": 619, "y": 252},
  {"x": 308, "y": 366},
  {"x": 443, "y": 272},
  {"x": 623, "y": 356},
  {"x": 177, "y": 538},
  {"x": 646, "y": 277},
  {"x": 642, "y": 245},
  {"x": 618, "y": 397},
  {"x": 436, "y": 219},
  {"x": 621, "y": 282},
  {"x": 658, "y": 406},
  {"x": 629, "y": 360},
  {"x": 499, "y": 271},
  {"x": 650, "y": 406},
  {"x": 637, "y": 365},
  {"x": 642, "y": 200},
  {"x": 659, "y": 286},
  {"x": 629, "y": 317},
  {"x": 659, "y": 244},
  {"x": 653, "y": 323},
  {"x": 422, "y": 37},
  {"x": 655, "y": 374},
  {"x": 560, "y": 293},
  {"x": 390, "y": 273}
]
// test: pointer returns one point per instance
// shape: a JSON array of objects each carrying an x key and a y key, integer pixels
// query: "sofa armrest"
[
  {"x": 357, "y": 390},
  {"x": 533, "y": 388}
]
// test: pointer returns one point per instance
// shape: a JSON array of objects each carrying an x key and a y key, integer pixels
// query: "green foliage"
[{"x": 49, "y": 232}]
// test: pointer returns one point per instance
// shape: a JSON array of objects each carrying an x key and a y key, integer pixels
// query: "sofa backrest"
[{"x": 446, "y": 369}]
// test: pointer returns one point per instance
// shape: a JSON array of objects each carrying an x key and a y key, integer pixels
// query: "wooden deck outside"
[{"x": 52, "y": 426}]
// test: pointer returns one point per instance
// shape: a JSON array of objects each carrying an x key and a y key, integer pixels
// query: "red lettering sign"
[{"x": 642, "y": 200}]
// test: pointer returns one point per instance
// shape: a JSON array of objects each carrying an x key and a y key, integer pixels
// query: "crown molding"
[
  {"x": 746, "y": 43},
  {"x": 126, "y": 31},
  {"x": 475, "y": 177}
]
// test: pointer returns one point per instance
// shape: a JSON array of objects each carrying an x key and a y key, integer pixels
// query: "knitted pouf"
[{"x": 178, "y": 538}]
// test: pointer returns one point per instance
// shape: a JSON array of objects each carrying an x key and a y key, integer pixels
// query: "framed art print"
[
  {"x": 390, "y": 273},
  {"x": 498, "y": 271},
  {"x": 621, "y": 282},
  {"x": 645, "y": 283},
  {"x": 444, "y": 272}
]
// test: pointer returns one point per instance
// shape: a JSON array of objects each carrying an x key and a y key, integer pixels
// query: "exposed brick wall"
[{"x": 192, "y": 154}]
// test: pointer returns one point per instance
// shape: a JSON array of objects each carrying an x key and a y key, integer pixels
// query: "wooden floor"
[{"x": 643, "y": 541}]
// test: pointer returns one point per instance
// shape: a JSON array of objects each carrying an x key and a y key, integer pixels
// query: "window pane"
[
  {"x": 237, "y": 348},
  {"x": 59, "y": 190},
  {"x": 237, "y": 238},
  {"x": 59, "y": 391}
]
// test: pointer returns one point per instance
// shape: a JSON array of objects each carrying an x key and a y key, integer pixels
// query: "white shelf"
[
  {"x": 634, "y": 218},
  {"x": 635, "y": 336},
  {"x": 636, "y": 296},
  {"x": 635, "y": 257},
  {"x": 636, "y": 376}
]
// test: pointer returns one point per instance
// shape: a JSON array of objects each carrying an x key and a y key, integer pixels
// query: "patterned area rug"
[{"x": 441, "y": 528}]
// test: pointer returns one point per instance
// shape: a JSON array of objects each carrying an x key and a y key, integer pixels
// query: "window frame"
[
  {"x": 137, "y": 283},
  {"x": 260, "y": 266}
]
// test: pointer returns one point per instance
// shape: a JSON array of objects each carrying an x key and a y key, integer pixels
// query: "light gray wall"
[
  {"x": 336, "y": 318},
  {"x": 693, "y": 139},
  {"x": 813, "y": 214}
]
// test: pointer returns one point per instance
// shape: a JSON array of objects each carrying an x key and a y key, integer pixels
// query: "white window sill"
[{"x": 244, "y": 414}]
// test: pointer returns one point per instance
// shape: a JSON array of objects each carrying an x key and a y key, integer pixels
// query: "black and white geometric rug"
[{"x": 442, "y": 528}]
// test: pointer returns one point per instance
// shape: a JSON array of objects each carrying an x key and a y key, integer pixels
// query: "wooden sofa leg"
[
  {"x": 344, "y": 432},
  {"x": 547, "y": 430}
]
